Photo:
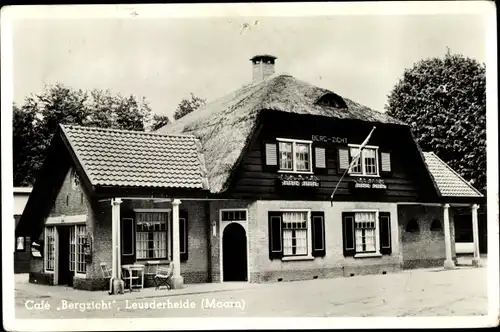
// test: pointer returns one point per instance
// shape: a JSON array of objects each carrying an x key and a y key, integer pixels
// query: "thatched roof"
[{"x": 225, "y": 125}]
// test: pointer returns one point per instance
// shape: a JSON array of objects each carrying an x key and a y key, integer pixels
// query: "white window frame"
[
  {"x": 294, "y": 165},
  {"x": 362, "y": 159},
  {"x": 168, "y": 211},
  {"x": 77, "y": 251},
  {"x": 308, "y": 256},
  {"x": 74, "y": 232},
  {"x": 46, "y": 251},
  {"x": 377, "y": 234}
]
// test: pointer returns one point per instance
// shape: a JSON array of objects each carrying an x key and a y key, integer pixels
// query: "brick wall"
[
  {"x": 195, "y": 269},
  {"x": 69, "y": 201},
  {"x": 333, "y": 263},
  {"x": 423, "y": 248}
]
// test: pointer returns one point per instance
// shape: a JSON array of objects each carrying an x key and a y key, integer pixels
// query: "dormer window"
[
  {"x": 332, "y": 100},
  {"x": 294, "y": 156}
]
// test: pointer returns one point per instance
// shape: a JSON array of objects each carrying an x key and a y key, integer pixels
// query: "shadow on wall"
[{"x": 422, "y": 236}]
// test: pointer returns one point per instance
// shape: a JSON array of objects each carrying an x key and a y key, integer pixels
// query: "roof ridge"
[
  {"x": 153, "y": 133},
  {"x": 454, "y": 172},
  {"x": 245, "y": 88}
]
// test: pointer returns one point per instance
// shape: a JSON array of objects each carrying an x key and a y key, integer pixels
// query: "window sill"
[
  {"x": 357, "y": 175},
  {"x": 297, "y": 258},
  {"x": 295, "y": 172},
  {"x": 372, "y": 254}
]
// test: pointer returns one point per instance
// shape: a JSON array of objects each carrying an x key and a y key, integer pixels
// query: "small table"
[{"x": 135, "y": 275}]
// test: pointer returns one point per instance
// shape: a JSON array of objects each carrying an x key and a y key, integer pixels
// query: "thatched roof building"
[{"x": 225, "y": 125}]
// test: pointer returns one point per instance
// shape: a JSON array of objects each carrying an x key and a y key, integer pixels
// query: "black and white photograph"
[{"x": 249, "y": 166}]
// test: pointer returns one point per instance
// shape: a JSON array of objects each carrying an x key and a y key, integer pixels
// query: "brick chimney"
[{"x": 262, "y": 67}]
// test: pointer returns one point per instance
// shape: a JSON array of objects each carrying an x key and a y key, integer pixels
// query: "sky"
[{"x": 360, "y": 57}]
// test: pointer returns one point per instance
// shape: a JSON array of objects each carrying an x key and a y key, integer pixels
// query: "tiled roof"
[
  {"x": 449, "y": 182},
  {"x": 124, "y": 158}
]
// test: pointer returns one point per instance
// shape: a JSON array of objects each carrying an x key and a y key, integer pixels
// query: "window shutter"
[
  {"x": 275, "y": 235},
  {"x": 385, "y": 232},
  {"x": 343, "y": 159},
  {"x": 318, "y": 234},
  {"x": 348, "y": 233},
  {"x": 270, "y": 156},
  {"x": 127, "y": 236},
  {"x": 319, "y": 160},
  {"x": 183, "y": 235},
  {"x": 385, "y": 163}
]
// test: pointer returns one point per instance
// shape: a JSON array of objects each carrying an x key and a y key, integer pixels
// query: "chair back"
[
  {"x": 106, "y": 272},
  {"x": 152, "y": 267},
  {"x": 166, "y": 271}
]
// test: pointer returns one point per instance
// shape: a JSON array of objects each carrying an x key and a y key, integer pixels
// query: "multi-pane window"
[
  {"x": 72, "y": 248},
  {"x": 50, "y": 242},
  {"x": 294, "y": 156},
  {"x": 81, "y": 238},
  {"x": 294, "y": 233},
  {"x": 234, "y": 215},
  {"x": 77, "y": 241},
  {"x": 151, "y": 235},
  {"x": 356, "y": 166},
  {"x": 365, "y": 227},
  {"x": 285, "y": 151},
  {"x": 302, "y": 154},
  {"x": 370, "y": 160},
  {"x": 367, "y": 163}
]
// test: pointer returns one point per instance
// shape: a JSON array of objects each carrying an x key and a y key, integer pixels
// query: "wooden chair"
[
  {"x": 106, "y": 272},
  {"x": 163, "y": 276}
]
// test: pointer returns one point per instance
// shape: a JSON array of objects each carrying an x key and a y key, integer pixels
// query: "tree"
[
  {"x": 35, "y": 122},
  {"x": 443, "y": 100},
  {"x": 159, "y": 121},
  {"x": 24, "y": 135},
  {"x": 187, "y": 106}
]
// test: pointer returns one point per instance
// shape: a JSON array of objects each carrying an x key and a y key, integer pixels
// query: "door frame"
[
  {"x": 222, "y": 226},
  {"x": 56, "y": 222}
]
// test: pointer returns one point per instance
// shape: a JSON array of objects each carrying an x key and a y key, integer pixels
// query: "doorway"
[
  {"x": 234, "y": 253},
  {"x": 64, "y": 275}
]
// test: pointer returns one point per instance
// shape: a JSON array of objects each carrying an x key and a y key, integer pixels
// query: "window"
[
  {"x": 20, "y": 243},
  {"x": 366, "y": 233},
  {"x": 49, "y": 248},
  {"x": 332, "y": 100},
  {"x": 77, "y": 241},
  {"x": 234, "y": 215},
  {"x": 295, "y": 233},
  {"x": 81, "y": 239},
  {"x": 365, "y": 227},
  {"x": 151, "y": 237},
  {"x": 367, "y": 164},
  {"x": 294, "y": 156},
  {"x": 72, "y": 248}
]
